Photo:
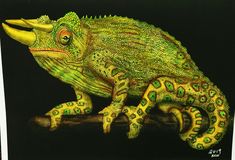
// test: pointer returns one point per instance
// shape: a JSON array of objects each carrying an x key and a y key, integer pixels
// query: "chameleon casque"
[{"x": 117, "y": 57}]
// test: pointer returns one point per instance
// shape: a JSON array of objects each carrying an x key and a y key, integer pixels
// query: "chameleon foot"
[
  {"x": 109, "y": 114},
  {"x": 55, "y": 119},
  {"x": 135, "y": 120},
  {"x": 134, "y": 130},
  {"x": 82, "y": 106}
]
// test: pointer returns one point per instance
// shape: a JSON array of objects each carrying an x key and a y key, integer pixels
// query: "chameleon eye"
[{"x": 64, "y": 36}]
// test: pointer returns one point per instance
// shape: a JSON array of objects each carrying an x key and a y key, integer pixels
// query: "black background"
[{"x": 206, "y": 28}]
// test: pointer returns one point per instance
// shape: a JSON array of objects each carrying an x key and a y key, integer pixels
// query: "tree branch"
[{"x": 159, "y": 121}]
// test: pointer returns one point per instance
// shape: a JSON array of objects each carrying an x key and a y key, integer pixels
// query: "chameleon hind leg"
[
  {"x": 192, "y": 112},
  {"x": 83, "y": 105},
  {"x": 160, "y": 90}
]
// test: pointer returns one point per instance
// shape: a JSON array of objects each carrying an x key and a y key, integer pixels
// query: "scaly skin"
[{"x": 119, "y": 57}]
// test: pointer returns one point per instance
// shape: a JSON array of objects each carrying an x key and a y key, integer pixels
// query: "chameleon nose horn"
[
  {"x": 20, "y": 22},
  {"x": 31, "y": 23},
  {"x": 25, "y": 37},
  {"x": 38, "y": 26}
]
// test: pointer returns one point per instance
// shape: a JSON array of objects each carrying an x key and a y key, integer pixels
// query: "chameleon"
[{"x": 119, "y": 57}]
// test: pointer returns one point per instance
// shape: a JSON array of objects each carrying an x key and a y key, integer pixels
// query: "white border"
[
  {"x": 3, "y": 124},
  {"x": 233, "y": 139}
]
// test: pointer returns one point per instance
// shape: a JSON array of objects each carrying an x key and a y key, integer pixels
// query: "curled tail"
[
  {"x": 214, "y": 103},
  {"x": 201, "y": 94},
  {"x": 171, "y": 94}
]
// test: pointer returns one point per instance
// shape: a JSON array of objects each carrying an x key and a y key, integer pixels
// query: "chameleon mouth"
[{"x": 48, "y": 52}]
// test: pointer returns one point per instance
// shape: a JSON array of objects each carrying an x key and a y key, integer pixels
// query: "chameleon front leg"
[
  {"x": 118, "y": 79},
  {"x": 82, "y": 105}
]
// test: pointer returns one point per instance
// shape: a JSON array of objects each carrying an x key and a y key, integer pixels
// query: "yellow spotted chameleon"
[{"x": 113, "y": 56}]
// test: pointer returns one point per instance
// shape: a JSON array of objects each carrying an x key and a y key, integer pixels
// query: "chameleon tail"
[
  {"x": 217, "y": 110},
  {"x": 196, "y": 119},
  {"x": 192, "y": 94},
  {"x": 194, "y": 114}
]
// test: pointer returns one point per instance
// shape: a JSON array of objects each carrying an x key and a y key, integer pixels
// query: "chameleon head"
[{"x": 61, "y": 39}]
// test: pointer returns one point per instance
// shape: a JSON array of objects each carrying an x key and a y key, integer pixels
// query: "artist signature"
[{"x": 215, "y": 152}]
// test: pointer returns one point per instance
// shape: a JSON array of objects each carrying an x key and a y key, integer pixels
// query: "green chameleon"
[{"x": 119, "y": 57}]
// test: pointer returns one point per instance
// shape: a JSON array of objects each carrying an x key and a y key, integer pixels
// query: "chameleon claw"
[
  {"x": 109, "y": 114},
  {"x": 107, "y": 128},
  {"x": 134, "y": 131},
  {"x": 107, "y": 124},
  {"x": 55, "y": 121},
  {"x": 134, "y": 127}
]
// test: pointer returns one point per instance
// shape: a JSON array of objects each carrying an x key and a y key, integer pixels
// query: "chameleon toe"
[{"x": 134, "y": 130}]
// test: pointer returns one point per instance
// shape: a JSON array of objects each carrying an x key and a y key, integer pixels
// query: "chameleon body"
[{"x": 119, "y": 57}]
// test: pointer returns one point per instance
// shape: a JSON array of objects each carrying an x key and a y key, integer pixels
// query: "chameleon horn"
[
  {"x": 38, "y": 26},
  {"x": 19, "y": 22},
  {"x": 25, "y": 37}
]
